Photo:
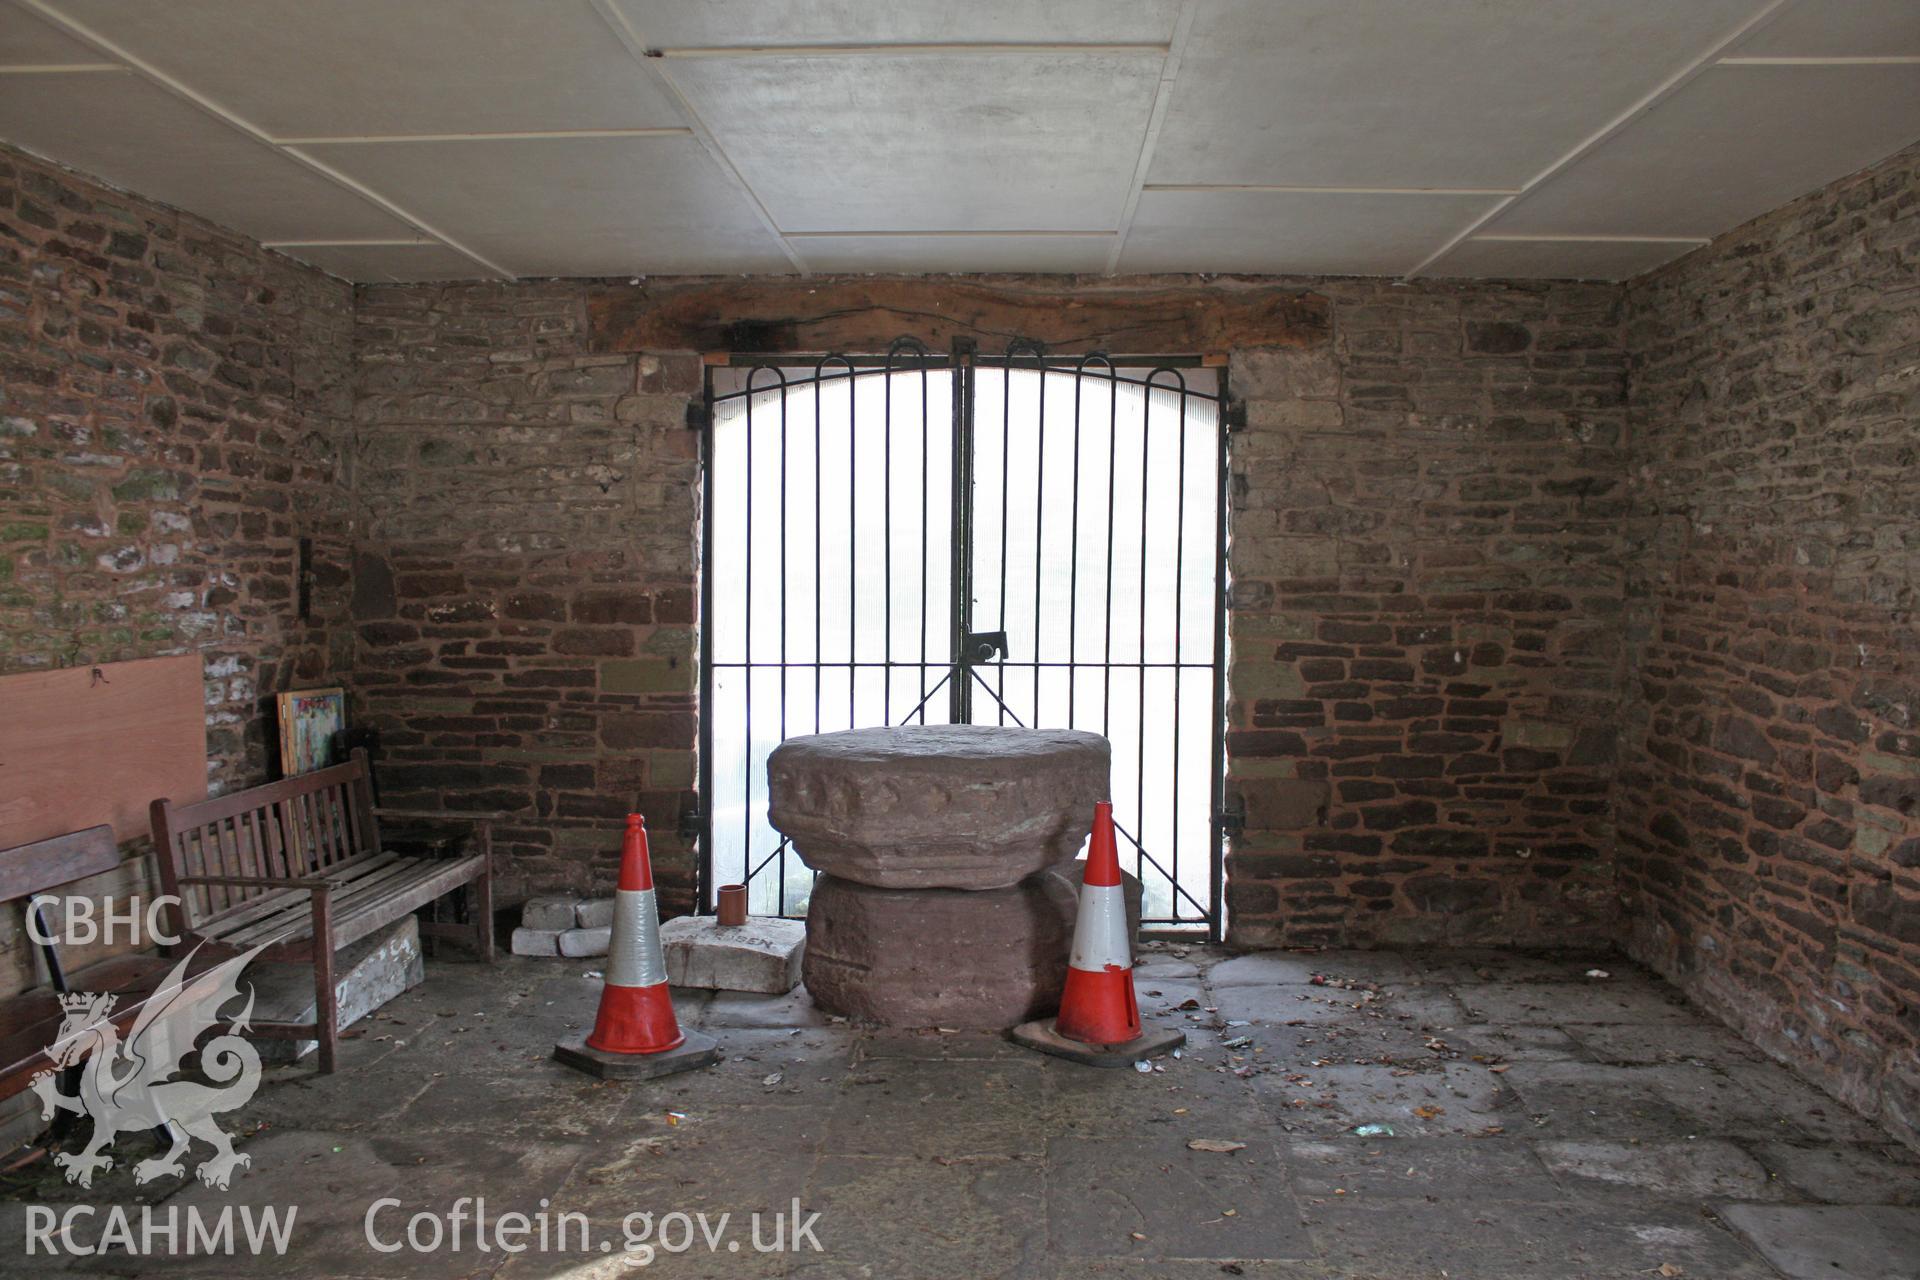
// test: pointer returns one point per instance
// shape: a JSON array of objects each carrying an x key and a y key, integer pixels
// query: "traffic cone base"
[
  {"x": 1042, "y": 1035},
  {"x": 695, "y": 1050}
]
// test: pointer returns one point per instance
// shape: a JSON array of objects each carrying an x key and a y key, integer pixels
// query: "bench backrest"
[
  {"x": 26, "y": 869},
  {"x": 287, "y": 829}
]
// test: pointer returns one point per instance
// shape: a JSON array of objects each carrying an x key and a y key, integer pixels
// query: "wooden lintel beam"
[{"x": 863, "y": 316}]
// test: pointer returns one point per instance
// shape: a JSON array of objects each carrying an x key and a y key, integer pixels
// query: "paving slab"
[
  {"x": 1444, "y": 1099},
  {"x": 1843, "y": 1173},
  {"x": 1141, "y": 1195},
  {"x": 1832, "y": 1242},
  {"x": 1637, "y": 1044},
  {"x": 942, "y": 1111},
  {"x": 1559, "y": 1004},
  {"x": 1674, "y": 1168},
  {"x": 331, "y": 1179},
  {"x": 1514, "y": 1240},
  {"x": 1417, "y": 1169},
  {"x": 1293, "y": 967},
  {"x": 1282, "y": 1004},
  {"x": 897, "y": 1218}
]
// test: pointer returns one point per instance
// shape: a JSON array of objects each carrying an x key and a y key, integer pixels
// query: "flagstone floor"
[{"x": 1479, "y": 1116}]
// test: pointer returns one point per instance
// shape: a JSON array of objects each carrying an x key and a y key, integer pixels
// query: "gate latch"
[{"x": 984, "y": 646}]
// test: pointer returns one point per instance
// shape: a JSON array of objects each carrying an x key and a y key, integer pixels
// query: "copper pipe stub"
[{"x": 733, "y": 904}]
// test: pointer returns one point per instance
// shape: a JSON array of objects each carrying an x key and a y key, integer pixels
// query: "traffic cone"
[
  {"x": 636, "y": 1035},
  {"x": 1099, "y": 1018}
]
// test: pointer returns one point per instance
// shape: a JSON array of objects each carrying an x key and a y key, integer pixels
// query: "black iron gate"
[{"x": 942, "y": 537}]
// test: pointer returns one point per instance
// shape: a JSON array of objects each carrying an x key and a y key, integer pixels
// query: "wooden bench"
[
  {"x": 30, "y": 1021},
  {"x": 299, "y": 866}
]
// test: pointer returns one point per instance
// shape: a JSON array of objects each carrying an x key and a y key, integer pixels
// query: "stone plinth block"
[
  {"x": 937, "y": 806},
  {"x": 761, "y": 955},
  {"x": 366, "y": 974},
  {"x": 536, "y": 942},
  {"x": 974, "y": 959},
  {"x": 576, "y": 943},
  {"x": 548, "y": 915}
]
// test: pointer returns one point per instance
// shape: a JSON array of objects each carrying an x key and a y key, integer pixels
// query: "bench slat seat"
[
  {"x": 30, "y": 1021},
  {"x": 367, "y": 895},
  {"x": 298, "y": 867}
]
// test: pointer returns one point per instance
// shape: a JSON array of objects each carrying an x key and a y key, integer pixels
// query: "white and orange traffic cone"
[
  {"x": 636, "y": 1035},
  {"x": 1099, "y": 1018}
]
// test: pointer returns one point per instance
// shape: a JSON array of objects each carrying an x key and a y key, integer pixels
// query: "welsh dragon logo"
[{"x": 129, "y": 1085}]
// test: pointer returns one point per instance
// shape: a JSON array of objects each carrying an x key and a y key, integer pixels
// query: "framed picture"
[{"x": 313, "y": 729}]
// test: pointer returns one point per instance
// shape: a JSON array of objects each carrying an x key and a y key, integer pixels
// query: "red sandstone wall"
[
  {"x": 524, "y": 587},
  {"x": 174, "y": 406},
  {"x": 1425, "y": 621},
  {"x": 1770, "y": 799},
  {"x": 1426, "y": 628}
]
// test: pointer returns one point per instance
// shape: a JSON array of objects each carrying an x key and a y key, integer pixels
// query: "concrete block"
[
  {"x": 548, "y": 913},
  {"x": 585, "y": 942},
  {"x": 366, "y": 975},
  {"x": 761, "y": 955},
  {"x": 536, "y": 942},
  {"x": 594, "y": 913}
]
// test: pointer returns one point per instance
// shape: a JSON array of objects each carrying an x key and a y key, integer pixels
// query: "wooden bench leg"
[
  {"x": 324, "y": 1013},
  {"x": 481, "y": 904}
]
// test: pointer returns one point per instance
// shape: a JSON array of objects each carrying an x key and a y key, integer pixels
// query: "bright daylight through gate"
[{"x": 1016, "y": 540}]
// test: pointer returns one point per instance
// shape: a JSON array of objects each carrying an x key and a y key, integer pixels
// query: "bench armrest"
[{"x": 444, "y": 833}]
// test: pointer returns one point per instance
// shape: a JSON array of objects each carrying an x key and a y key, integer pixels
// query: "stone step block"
[
  {"x": 937, "y": 806},
  {"x": 549, "y": 913},
  {"x": 536, "y": 942},
  {"x": 762, "y": 955},
  {"x": 585, "y": 942},
  {"x": 366, "y": 974},
  {"x": 594, "y": 913}
]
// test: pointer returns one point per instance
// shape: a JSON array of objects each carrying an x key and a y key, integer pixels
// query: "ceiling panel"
[
  {"x": 1410, "y": 93},
  {"x": 1838, "y": 29},
  {"x": 297, "y": 68},
  {"x": 381, "y": 263},
  {"x": 575, "y": 206},
  {"x": 27, "y": 41},
  {"x": 955, "y": 253},
  {"x": 673, "y": 24},
  {"x": 931, "y": 142},
  {"x": 1292, "y": 232},
  {"x": 123, "y": 129},
  {"x": 1728, "y": 146},
  {"x": 1556, "y": 259}
]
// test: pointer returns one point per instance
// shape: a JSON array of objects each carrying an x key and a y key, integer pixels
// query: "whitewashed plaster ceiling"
[{"x": 450, "y": 139}]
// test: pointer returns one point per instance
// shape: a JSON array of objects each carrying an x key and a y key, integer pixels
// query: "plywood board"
[{"x": 86, "y": 745}]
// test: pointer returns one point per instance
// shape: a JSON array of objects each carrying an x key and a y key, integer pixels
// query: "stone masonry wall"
[
  {"x": 1427, "y": 569},
  {"x": 1769, "y": 807},
  {"x": 1425, "y": 622},
  {"x": 524, "y": 590},
  {"x": 173, "y": 404}
]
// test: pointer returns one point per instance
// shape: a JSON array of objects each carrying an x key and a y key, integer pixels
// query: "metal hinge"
[
  {"x": 698, "y": 415},
  {"x": 1232, "y": 818},
  {"x": 1235, "y": 415},
  {"x": 689, "y": 828}
]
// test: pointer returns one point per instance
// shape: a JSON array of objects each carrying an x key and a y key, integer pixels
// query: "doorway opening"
[{"x": 943, "y": 537}]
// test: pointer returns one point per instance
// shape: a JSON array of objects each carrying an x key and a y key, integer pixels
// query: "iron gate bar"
[{"x": 908, "y": 356}]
